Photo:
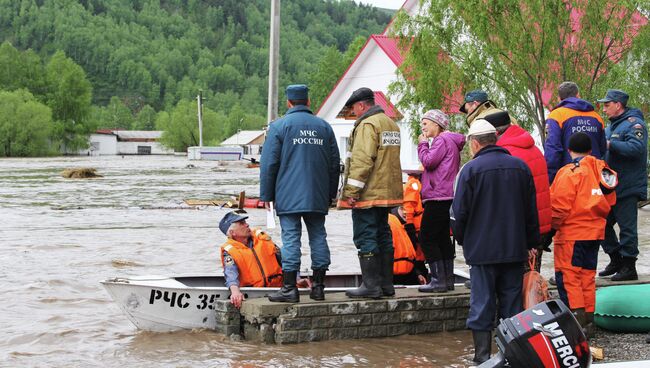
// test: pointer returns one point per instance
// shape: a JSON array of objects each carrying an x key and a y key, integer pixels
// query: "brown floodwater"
[{"x": 60, "y": 237}]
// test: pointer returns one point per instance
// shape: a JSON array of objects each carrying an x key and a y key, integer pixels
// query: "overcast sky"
[{"x": 389, "y": 4}]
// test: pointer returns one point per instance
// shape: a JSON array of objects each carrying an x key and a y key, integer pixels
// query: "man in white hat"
[{"x": 494, "y": 218}]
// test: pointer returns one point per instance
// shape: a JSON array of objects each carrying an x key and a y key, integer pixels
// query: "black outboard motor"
[{"x": 546, "y": 335}]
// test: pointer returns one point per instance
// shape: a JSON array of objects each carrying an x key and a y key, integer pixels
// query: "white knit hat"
[{"x": 481, "y": 127}]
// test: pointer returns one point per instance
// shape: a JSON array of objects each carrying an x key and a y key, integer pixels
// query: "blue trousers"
[
  {"x": 291, "y": 234},
  {"x": 624, "y": 213},
  {"x": 491, "y": 283},
  {"x": 371, "y": 232}
]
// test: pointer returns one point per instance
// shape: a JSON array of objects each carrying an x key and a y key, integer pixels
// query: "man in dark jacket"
[
  {"x": 299, "y": 172},
  {"x": 571, "y": 115},
  {"x": 494, "y": 218},
  {"x": 627, "y": 154}
]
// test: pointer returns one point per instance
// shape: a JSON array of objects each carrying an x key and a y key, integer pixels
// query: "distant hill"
[{"x": 157, "y": 52}]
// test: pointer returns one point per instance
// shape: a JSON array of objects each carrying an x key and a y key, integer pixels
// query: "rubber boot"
[
  {"x": 289, "y": 292},
  {"x": 614, "y": 265},
  {"x": 438, "y": 284},
  {"x": 449, "y": 271},
  {"x": 387, "y": 287},
  {"x": 482, "y": 345},
  {"x": 590, "y": 329},
  {"x": 318, "y": 285},
  {"x": 627, "y": 271},
  {"x": 580, "y": 315},
  {"x": 370, "y": 273}
]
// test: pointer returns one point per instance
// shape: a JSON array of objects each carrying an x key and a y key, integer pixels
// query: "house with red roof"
[{"x": 374, "y": 67}]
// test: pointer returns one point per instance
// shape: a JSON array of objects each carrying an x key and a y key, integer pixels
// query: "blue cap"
[
  {"x": 229, "y": 219},
  {"x": 475, "y": 95},
  {"x": 615, "y": 95},
  {"x": 297, "y": 92}
]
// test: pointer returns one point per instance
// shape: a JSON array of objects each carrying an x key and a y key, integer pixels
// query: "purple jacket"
[{"x": 441, "y": 161}]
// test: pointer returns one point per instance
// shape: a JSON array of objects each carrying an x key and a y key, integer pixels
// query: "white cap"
[{"x": 481, "y": 127}]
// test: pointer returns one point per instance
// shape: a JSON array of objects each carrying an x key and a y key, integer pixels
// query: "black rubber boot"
[
  {"x": 590, "y": 329},
  {"x": 371, "y": 278},
  {"x": 615, "y": 263},
  {"x": 449, "y": 271},
  {"x": 318, "y": 285},
  {"x": 627, "y": 271},
  {"x": 482, "y": 345},
  {"x": 289, "y": 292},
  {"x": 437, "y": 284},
  {"x": 387, "y": 287},
  {"x": 580, "y": 315}
]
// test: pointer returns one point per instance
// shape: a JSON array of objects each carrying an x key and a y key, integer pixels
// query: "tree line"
[{"x": 70, "y": 67}]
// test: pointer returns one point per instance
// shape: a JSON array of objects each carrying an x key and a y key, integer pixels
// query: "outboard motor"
[{"x": 546, "y": 335}]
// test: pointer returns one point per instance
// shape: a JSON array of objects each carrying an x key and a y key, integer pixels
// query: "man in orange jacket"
[
  {"x": 407, "y": 270},
  {"x": 248, "y": 257},
  {"x": 581, "y": 197}
]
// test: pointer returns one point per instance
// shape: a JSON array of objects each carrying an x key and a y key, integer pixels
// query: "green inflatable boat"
[{"x": 624, "y": 308}]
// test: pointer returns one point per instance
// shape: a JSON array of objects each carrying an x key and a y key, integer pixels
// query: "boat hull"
[{"x": 163, "y": 304}]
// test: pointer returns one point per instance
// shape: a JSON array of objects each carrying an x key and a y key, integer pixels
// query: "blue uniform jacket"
[
  {"x": 299, "y": 167},
  {"x": 628, "y": 153},
  {"x": 570, "y": 116},
  {"x": 494, "y": 212}
]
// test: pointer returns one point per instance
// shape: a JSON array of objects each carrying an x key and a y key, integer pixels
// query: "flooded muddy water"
[{"x": 60, "y": 237}]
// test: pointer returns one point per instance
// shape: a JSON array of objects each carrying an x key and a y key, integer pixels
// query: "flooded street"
[{"x": 60, "y": 237}]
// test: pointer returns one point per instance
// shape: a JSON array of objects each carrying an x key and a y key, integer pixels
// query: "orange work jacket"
[
  {"x": 413, "y": 209},
  {"x": 258, "y": 266},
  {"x": 404, "y": 252},
  {"x": 582, "y": 195}
]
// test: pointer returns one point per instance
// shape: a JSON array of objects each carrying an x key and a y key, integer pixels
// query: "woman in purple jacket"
[{"x": 439, "y": 153}]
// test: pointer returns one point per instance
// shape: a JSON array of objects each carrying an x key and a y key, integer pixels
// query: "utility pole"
[
  {"x": 274, "y": 55},
  {"x": 199, "y": 103}
]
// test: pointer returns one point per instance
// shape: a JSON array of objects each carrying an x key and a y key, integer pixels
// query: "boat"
[
  {"x": 237, "y": 201},
  {"x": 170, "y": 303}
]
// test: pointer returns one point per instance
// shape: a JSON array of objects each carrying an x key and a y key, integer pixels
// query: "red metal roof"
[
  {"x": 391, "y": 47},
  {"x": 389, "y": 108}
]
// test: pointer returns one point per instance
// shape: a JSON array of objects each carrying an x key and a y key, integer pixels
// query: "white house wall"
[
  {"x": 100, "y": 145},
  {"x": 372, "y": 69},
  {"x": 131, "y": 148}
]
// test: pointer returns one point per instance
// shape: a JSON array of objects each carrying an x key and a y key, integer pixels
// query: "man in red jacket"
[{"x": 522, "y": 145}]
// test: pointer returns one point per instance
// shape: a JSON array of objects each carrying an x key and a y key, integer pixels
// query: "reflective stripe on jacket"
[
  {"x": 373, "y": 173},
  {"x": 404, "y": 252},
  {"x": 581, "y": 199},
  {"x": 258, "y": 266}
]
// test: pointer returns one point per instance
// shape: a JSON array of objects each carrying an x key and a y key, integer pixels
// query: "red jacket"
[{"x": 521, "y": 145}]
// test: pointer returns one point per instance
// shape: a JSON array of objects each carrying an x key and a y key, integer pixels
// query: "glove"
[
  {"x": 546, "y": 240},
  {"x": 410, "y": 230}
]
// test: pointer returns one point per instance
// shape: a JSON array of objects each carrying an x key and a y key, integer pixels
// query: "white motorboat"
[{"x": 164, "y": 303}]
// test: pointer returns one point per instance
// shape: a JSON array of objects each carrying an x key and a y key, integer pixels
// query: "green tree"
[
  {"x": 518, "y": 51},
  {"x": 25, "y": 125},
  {"x": 68, "y": 95},
  {"x": 181, "y": 129},
  {"x": 146, "y": 119},
  {"x": 330, "y": 70}
]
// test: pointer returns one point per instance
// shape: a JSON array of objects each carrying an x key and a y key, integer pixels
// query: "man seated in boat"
[
  {"x": 249, "y": 258},
  {"x": 407, "y": 268}
]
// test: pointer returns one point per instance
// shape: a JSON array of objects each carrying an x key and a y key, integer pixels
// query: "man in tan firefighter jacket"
[{"x": 372, "y": 185}]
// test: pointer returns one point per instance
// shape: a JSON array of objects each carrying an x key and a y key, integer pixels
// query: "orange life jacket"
[
  {"x": 413, "y": 209},
  {"x": 404, "y": 252},
  {"x": 581, "y": 197},
  {"x": 258, "y": 266}
]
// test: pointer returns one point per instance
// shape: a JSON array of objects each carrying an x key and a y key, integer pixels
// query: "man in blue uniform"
[
  {"x": 570, "y": 116},
  {"x": 299, "y": 172},
  {"x": 494, "y": 218},
  {"x": 627, "y": 154}
]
